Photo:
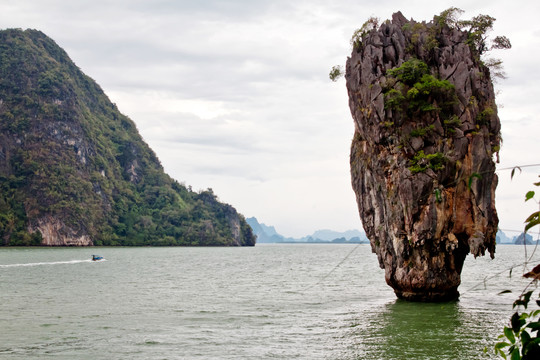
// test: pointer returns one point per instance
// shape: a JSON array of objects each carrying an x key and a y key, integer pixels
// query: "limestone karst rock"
[
  {"x": 426, "y": 131},
  {"x": 74, "y": 171}
]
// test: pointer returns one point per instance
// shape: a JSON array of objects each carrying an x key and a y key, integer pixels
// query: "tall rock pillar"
[{"x": 426, "y": 131}]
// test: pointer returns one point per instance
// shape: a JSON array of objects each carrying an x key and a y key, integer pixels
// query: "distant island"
[
  {"x": 268, "y": 234},
  {"x": 520, "y": 239}
]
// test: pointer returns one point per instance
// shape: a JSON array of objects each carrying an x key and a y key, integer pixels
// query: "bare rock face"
[
  {"x": 426, "y": 129},
  {"x": 56, "y": 233}
]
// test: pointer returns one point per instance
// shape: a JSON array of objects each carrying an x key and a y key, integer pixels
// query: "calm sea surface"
[{"x": 265, "y": 302}]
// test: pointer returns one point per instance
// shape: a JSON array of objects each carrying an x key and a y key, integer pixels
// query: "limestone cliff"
[
  {"x": 75, "y": 171},
  {"x": 426, "y": 129}
]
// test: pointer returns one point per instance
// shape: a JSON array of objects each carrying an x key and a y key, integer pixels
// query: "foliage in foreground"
[{"x": 520, "y": 339}]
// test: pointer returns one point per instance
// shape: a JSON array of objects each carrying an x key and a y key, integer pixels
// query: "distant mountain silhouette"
[
  {"x": 268, "y": 234},
  {"x": 523, "y": 239},
  {"x": 502, "y": 238}
]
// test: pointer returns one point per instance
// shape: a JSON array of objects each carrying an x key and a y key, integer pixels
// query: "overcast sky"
[{"x": 235, "y": 95}]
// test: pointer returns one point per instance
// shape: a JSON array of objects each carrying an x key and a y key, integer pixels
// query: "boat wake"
[{"x": 49, "y": 263}]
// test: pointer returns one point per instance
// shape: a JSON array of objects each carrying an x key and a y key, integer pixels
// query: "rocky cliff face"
[
  {"x": 54, "y": 232},
  {"x": 426, "y": 130}
]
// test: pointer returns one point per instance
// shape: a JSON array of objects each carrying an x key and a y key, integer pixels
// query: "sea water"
[{"x": 275, "y": 301}]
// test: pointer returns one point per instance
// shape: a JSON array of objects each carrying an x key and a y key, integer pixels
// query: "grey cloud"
[{"x": 265, "y": 65}]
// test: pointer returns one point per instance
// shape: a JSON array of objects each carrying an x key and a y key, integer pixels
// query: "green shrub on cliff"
[
  {"x": 335, "y": 73},
  {"x": 412, "y": 89},
  {"x": 410, "y": 72},
  {"x": 478, "y": 39},
  {"x": 371, "y": 24},
  {"x": 421, "y": 162}
]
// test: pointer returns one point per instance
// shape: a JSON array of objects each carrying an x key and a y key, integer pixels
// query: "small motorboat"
[{"x": 97, "y": 257}]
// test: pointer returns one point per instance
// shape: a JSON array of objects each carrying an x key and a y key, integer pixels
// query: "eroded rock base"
[{"x": 430, "y": 296}]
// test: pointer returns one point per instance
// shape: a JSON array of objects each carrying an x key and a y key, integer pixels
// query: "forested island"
[{"x": 74, "y": 171}]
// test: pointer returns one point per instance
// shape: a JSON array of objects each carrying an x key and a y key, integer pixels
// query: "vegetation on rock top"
[{"x": 426, "y": 131}]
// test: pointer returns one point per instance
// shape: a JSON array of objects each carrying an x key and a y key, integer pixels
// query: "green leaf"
[
  {"x": 438, "y": 195},
  {"x": 532, "y": 220},
  {"x": 525, "y": 337},
  {"x": 513, "y": 171},
  {"x": 501, "y": 345},
  {"x": 509, "y": 334},
  {"x": 533, "y": 216},
  {"x": 529, "y": 195},
  {"x": 527, "y": 296},
  {"x": 517, "y": 322},
  {"x": 532, "y": 348},
  {"x": 515, "y": 355},
  {"x": 534, "y": 343},
  {"x": 474, "y": 175}
]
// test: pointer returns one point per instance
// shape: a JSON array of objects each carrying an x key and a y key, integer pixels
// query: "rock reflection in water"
[{"x": 405, "y": 330}]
